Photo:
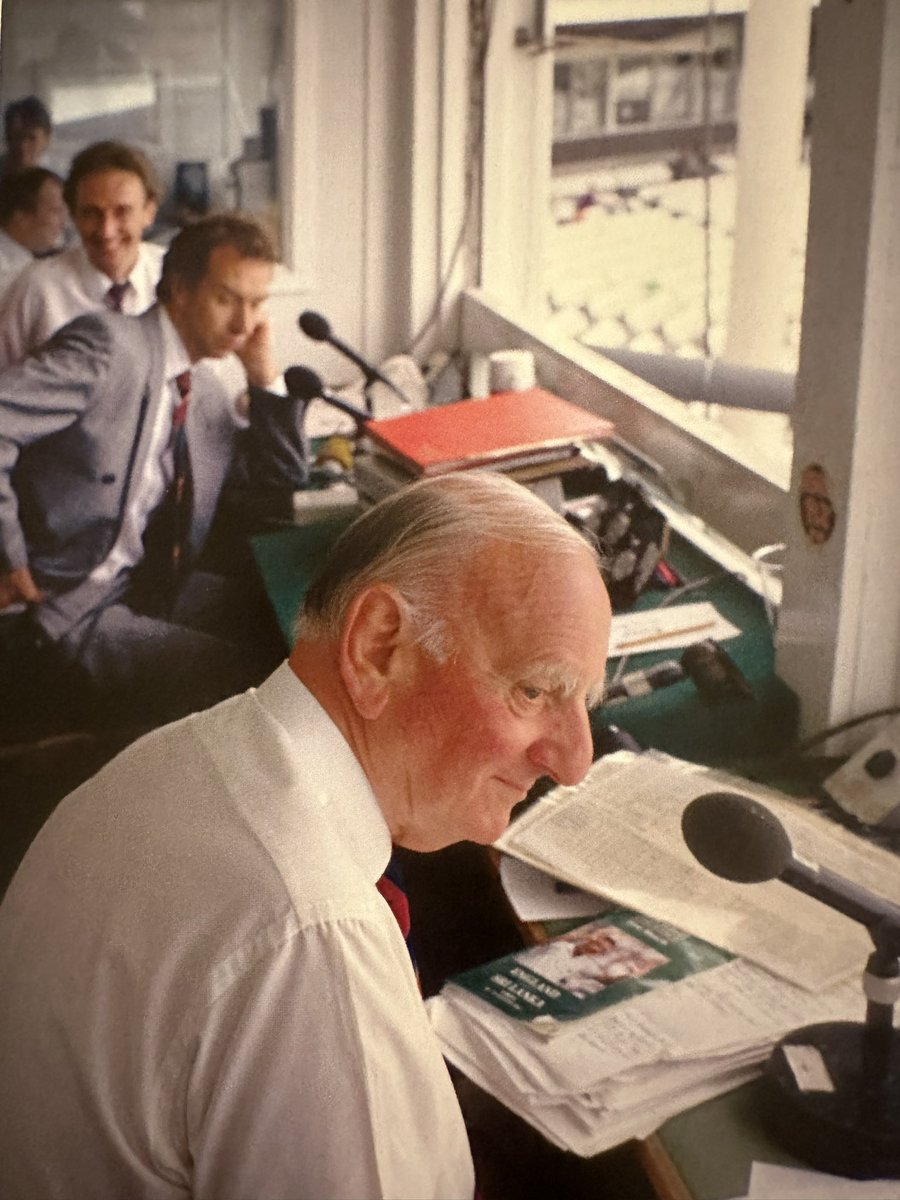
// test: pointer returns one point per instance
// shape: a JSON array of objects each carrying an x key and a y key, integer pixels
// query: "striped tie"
[
  {"x": 181, "y": 479},
  {"x": 115, "y": 296}
]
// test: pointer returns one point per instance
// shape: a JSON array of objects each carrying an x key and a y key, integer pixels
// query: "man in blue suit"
[{"x": 98, "y": 429}]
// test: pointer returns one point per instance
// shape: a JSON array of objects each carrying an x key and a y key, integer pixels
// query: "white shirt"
[
  {"x": 53, "y": 291},
  {"x": 13, "y": 258},
  {"x": 204, "y": 993}
]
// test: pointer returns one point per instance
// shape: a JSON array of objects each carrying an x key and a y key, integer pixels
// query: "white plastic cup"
[{"x": 511, "y": 370}]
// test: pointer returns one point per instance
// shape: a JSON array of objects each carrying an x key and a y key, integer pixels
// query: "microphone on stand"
[
  {"x": 305, "y": 385},
  {"x": 832, "y": 1089},
  {"x": 317, "y": 327}
]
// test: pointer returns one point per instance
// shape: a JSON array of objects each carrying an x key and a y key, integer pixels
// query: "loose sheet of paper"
[
  {"x": 770, "y": 1182},
  {"x": 537, "y": 896},
  {"x": 667, "y": 628}
]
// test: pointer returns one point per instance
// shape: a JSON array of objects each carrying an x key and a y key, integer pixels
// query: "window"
[
  {"x": 635, "y": 234},
  {"x": 633, "y": 91},
  {"x": 579, "y": 99},
  {"x": 196, "y": 84}
]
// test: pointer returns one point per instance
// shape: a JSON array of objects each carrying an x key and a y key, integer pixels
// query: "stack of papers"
[
  {"x": 622, "y": 1072},
  {"x": 761, "y": 961}
]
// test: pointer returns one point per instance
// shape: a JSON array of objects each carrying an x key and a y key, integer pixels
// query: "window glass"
[
  {"x": 675, "y": 90},
  {"x": 196, "y": 84},
  {"x": 643, "y": 207},
  {"x": 634, "y": 90},
  {"x": 579, "y": 98}
]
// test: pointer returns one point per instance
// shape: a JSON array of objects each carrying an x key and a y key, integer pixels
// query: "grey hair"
[{"x": 418, "y": 540}]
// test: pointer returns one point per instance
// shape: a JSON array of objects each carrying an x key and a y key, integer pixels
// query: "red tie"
[
  {"x": 398, "y": 902},
  {"x": 181, "y": 478},
  {"x": 115, "y": 295}
]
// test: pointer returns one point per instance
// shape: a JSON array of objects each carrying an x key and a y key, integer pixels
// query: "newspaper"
[
  {"x": 618, "y": 834},
  {"x": 621, "y": 1070}
]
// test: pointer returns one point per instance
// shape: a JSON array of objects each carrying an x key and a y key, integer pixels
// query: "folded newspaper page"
[{"x": 618, "y": 834}]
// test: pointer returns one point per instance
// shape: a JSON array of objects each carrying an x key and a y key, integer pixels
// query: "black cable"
[{"x": 823, "y": 736}]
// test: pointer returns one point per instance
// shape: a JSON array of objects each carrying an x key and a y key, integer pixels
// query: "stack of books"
[
  {"x": 679, "y": 989},
  {"x": 529, "y": 435}
]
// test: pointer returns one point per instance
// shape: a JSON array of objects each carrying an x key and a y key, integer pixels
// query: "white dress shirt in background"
[
  {"x": 14, "y": 257},
  {"x": 50, "y": 292}
]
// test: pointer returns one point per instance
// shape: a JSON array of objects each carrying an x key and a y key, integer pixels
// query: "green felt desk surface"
[
  {"x": 288, "y": 560},
  {"x": 678, "y": 719},
  {"x": 712, "y": 1148}
]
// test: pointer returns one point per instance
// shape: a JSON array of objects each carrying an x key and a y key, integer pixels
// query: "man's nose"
[
  {"x": 108, "y": 227},
  {"x": 565, "y": 749},
  {"x": 241, "y": 319}
]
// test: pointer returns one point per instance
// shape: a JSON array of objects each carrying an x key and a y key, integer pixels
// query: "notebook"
[{"x": 504, "y": 430}]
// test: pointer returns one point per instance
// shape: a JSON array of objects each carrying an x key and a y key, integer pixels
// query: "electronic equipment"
[
  {"x": 632, "y": 533},
  {"x": 868, "y": 784}
]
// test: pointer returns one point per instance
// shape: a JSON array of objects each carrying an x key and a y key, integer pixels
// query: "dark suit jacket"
[{"x": 73, "y": 419}]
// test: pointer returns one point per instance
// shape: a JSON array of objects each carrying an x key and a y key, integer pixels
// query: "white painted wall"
[
  {"x": 518, "y": 141},
  {"x": 375, "y": 180},
  {"x": 839, "y": 629}
]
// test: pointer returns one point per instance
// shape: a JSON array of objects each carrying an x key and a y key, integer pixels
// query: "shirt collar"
[
  {"x": 13, "y": 249},
  {"x": 95, "y": 283},
  {"x": 175, "y": 357},
  {"x": 331, "y": 768}
]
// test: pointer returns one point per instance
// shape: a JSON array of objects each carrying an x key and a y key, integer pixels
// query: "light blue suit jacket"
[{"x": 74, "y": 417}]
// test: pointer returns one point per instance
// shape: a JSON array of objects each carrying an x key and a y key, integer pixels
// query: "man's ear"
[
  {"x": 151, "y": 208},
  {"x": 374, "y": 647}
]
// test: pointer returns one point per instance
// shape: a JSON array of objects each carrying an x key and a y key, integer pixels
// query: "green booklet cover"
[{"x": 605, "y": 961}]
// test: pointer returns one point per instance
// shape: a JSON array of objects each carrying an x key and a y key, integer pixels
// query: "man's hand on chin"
[{"x": 18, "y": 587}]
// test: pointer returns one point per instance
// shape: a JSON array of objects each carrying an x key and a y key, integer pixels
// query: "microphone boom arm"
[
  {"x": 843, "y": 895},
  {"x": 315, "y": 326}
]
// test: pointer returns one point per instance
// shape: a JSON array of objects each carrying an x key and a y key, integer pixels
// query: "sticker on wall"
[{"x": 816, "y": 509}]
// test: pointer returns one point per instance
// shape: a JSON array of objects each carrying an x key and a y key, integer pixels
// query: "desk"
[
  {"x": 287, "y": 560},
  {"x": 713, "y": 1146},
  {"x": 677, "y": 719},
  {"x": 460, "y": 917}
]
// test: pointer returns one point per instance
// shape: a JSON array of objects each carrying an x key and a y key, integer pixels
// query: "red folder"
[{"x": 505, "y": 430}]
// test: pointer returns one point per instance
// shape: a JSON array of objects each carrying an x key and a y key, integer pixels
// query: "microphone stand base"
[{"x": 853, "y": 1129}]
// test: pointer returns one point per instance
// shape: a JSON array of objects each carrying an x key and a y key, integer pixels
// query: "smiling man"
[
  {"x": 112, "y": 193},
  {"x": 505, "y": 649},
  {"x": 113, "y": 455},
  {"x": 206, "y": 994}
]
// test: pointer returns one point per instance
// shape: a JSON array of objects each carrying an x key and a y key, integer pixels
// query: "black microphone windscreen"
[
  {"x": 303, "y": 383},
  {"x": 735, "y": 837},
  {"x": 314, "y": 325}
]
